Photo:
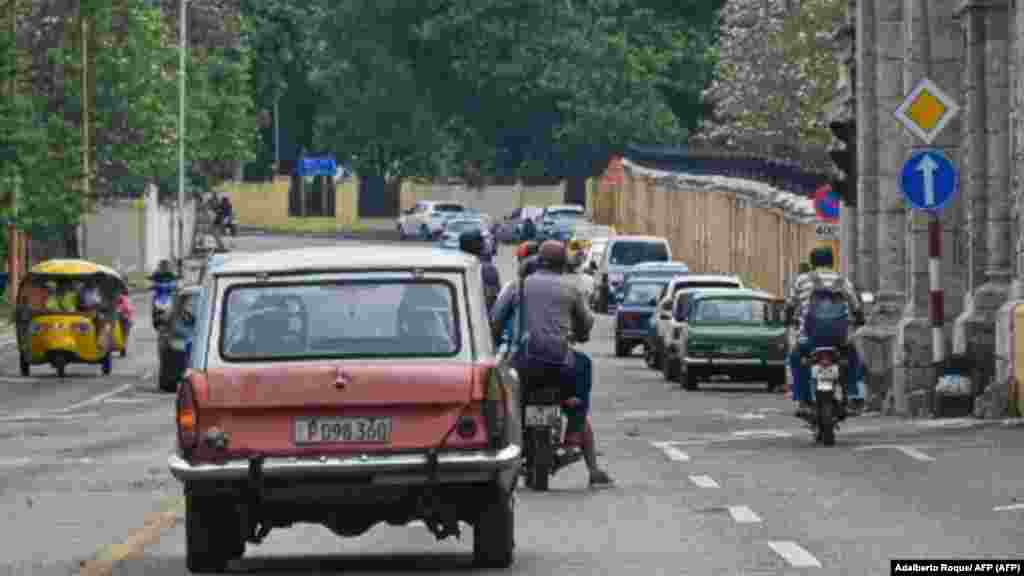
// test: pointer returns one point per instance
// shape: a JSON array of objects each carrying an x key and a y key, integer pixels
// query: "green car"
[{"x": 738, "y": 333}]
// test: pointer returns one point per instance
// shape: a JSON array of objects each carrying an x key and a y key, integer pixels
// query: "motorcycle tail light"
[{"x": 824, "y": 358}]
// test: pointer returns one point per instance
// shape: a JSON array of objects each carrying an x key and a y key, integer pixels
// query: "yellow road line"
[{"x": 103, "y": 563}]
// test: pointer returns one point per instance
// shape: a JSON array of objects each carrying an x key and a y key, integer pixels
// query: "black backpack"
[{"x": 827, "y": 319}]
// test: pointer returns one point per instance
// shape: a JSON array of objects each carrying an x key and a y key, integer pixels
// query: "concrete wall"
[
  {"x": 133, "y": 235},
  {"x": 265, "y": 205},
  {"x": 711, "y": 230},
  {"x": 494, "y": 200}
]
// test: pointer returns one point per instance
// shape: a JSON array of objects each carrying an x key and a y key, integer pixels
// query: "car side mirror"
[{"x": 867, "y": 298}]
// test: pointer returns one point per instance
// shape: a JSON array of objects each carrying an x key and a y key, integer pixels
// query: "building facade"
[{"x": 974, "y": 51}]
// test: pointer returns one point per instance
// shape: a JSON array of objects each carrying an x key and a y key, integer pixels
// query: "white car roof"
[{"x": 347, "y": 257}]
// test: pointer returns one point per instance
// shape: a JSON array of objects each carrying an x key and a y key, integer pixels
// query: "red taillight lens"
[
  {"x": 494, "y": 410},
  {"x": 187, "y": 416}
]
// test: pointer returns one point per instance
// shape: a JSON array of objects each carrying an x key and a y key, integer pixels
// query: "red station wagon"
[{"x": 345, "y": 386}]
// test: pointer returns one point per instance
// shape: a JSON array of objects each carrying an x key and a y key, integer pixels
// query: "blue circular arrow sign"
[{"x": 929, "y": 180}]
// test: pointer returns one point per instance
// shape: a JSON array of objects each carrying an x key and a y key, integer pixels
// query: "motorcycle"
[
  {"x": 163, "y": 298},
  {"x": 544, "y": 428},
  {"x": 829, "y": 372},
  {"x": 228, "y": 225}
]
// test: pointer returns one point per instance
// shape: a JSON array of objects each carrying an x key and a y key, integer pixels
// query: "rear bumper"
[{"x": 453, "y": 467}]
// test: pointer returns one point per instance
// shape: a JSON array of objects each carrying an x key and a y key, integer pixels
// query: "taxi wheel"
[
  {"x": 689, "y": 380},
  {"x": 61, "y": 366},
  {"x": 622, "y": 349},
  {"x": 26, "y": 368},
  {"x": 207, "y": 548},
  {"x": 108, "y": 364},
  {"x": 494, "y": 532}
]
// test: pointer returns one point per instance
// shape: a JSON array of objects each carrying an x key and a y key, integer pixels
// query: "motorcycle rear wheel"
[
  {"x": 539, "y": 471},
  {"x": 826, "y": 420}
]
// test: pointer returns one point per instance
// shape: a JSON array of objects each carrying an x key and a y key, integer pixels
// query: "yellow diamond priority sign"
[{"x": 927, "y": 110}]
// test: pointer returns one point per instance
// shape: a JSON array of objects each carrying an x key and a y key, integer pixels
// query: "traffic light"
[{"x": 845, "y": 159}]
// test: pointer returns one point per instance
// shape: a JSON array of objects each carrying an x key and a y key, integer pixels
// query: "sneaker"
[{"x": 600, "y": 479}]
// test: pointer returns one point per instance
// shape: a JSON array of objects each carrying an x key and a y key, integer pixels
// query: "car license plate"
[
  {"x": 830, "y": 373},
  {"x": 344, "y": 430},
  {"x": 542, "y": 415}
]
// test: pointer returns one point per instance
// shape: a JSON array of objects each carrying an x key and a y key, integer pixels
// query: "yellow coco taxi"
[{"x": 66, "y": 314}]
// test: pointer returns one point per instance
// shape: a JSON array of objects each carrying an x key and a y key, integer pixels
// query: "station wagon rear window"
[
  {"x": 641, "y": 293},
  {"x": 353, "y": 319},
  {"x": 630, "y": 253},
  {"x": 732, "y": 311}
]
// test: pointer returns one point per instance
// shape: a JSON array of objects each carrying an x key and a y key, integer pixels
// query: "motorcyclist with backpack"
[
  {"x": 472, "y": 242},
  {"x": 553, "y": 306},
  {"x": 826, "y": 304}
]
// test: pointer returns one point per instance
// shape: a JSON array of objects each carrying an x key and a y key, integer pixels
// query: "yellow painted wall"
[{"x": 265, "y": 205}]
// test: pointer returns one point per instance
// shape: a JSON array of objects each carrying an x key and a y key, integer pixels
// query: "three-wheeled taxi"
[{"x": 66, "y": 314}]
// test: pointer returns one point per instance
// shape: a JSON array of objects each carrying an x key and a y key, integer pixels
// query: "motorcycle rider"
[
  {"x": 554, "y": 307},
  {"x": 506, "y": 327},
  {"x": 472, "y": 241},
  {"x": 822, "y": 262},
  {"x": 163, "y": 272}
]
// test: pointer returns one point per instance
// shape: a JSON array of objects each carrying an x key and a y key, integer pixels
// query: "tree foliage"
[{"x": 775, "y": 78}]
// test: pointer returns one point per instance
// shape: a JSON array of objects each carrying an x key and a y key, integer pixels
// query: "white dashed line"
[
  {"x": 98, "y": 398},
  {"x": 704, "y": 481},
  {"x": 648, "y": 415},
  {"x": 22, "y": 418},
  {"x": 762, "y": 434},
  {"x": 794, "y": 554},
  {"x": 128, "y": 401},
  {"x": 743, "y": 515},
  {"x": 14, "y": 463},
  {"x": 674, "y": 454},
  {"x": 908, "y": 450},
  {"x": 751, "y": 416},
  {"x": 1008, "y": 507}
]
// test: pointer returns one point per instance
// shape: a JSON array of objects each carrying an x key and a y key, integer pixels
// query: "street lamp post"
[{"x": 183, "y": 48}]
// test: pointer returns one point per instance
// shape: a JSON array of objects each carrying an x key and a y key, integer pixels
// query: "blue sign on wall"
[
  {"x": 826, "y": 203},
  {"x": 322, "y": 166},
  {"x": 929, "y": 180}
]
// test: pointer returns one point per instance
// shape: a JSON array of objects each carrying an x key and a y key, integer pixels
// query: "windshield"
[
  {"x": 641, "y": 293},
  {"x": 461, "y": 226},
  {"x": 630, "y": 253},
  {"x": 731, "y": 310},
  {"x": 448, "y": 208},
  {"x": 377, "y": 318},
  {"x": 564, "y": 214}
]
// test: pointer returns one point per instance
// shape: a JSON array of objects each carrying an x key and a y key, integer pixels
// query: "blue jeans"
[
  {"x": 576, "y": 380},
  {"x": 802, "y": 374}
]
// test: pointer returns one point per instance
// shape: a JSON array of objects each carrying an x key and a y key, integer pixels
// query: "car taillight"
[
  {"x": 187, "y": 416},
  {"x": 494, "y": 410}
]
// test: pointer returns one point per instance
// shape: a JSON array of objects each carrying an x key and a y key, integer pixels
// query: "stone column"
[
  {"x": 867, "y": 144},
  {"x": 912, "y": 373},
  {"x": 1017, "y": 136},
  {"x": 876, "y": 340},
  {"x": 988, "y": 179}
]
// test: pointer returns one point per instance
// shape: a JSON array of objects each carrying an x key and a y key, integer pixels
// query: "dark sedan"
[
  {"x": 640, "y": 298},
  {"x": 175, "y": 338}
]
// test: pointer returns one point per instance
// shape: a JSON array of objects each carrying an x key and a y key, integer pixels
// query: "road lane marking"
[
  {"x": 97, "y": 399},
  {"x": 128, "y": 400},
  {"x": 751, "y": 416},
  {"x": 674, "y": 454},
  {"x": 761, "y": 434},
  {"x": 23, "y": 418},
  {"x": 107, "y": 558},
  {"x": 648, "y": 415},
  {"x": 907, "y": 450},
  {"x": 743, "y": 515},
  {"x": 704, "y": 481},
  {"x": 1008, "y": 507},
  {"x": 795, "y": 555},
  {"x": 14, "y": 462}
]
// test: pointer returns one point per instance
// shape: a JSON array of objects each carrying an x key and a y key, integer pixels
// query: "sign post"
[{"x": 929, "y": 180}]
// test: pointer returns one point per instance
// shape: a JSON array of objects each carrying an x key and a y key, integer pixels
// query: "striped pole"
[{"x": 935, "y": 311}]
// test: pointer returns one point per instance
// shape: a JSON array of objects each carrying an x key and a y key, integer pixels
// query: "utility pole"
[
  {"x": 13, "y": 240},
  {"x": 183, "y": 48}
]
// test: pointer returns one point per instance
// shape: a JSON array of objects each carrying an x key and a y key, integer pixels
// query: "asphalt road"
[{"x": 716, "y": 481}]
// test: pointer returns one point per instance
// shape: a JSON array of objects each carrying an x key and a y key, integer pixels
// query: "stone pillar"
[
  {"x": 1017, "y": 137},
  {"x": 876, "y": 340},
  {"x": 988, "y": 179},
  {"x": 912, "y": 354},
  {"x": 867, "y": 144}
]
